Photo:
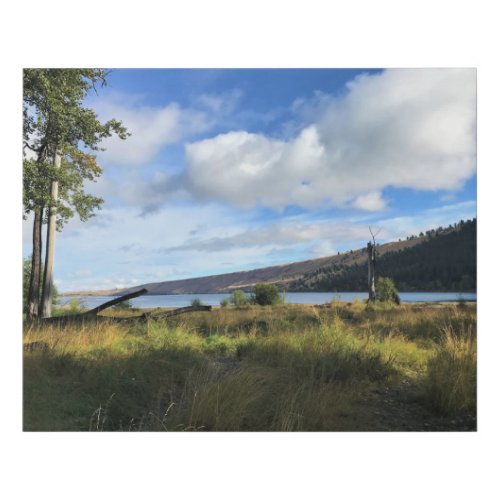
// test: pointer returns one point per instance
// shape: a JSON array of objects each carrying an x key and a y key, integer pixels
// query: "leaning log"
[
  {"x": 111, "y": 303},
  {"x": 92, "y": 314},
  {"x": 161, "y": 314}
]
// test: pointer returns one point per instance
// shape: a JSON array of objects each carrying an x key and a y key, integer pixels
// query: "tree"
[
  {"x": 26, "y": 285},
  {"x": 266, "y": 294},
  {"x": 238, "y": 298},
  {"x": 60, "y": 135}
]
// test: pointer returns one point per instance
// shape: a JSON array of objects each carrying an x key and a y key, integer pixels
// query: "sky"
[{"x": 230, "y": 170}]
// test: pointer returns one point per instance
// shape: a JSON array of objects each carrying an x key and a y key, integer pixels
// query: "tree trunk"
[
  {"x": 36, "y": 264},
  {"x": 46, "y": 302},
  {"x": 371, "y": 272}
]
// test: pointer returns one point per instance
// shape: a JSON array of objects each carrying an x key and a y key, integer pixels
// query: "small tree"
[
  {"x": 196, "y": 302},
  {"x": 266, "y": 294},
  {"x": 239, "y": 299},
  {"x": 224, "y": 302},
  {"x": 386, "y": 291}
]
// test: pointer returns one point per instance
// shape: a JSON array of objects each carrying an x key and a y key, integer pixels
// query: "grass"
[{"x": 283, "y": 368}]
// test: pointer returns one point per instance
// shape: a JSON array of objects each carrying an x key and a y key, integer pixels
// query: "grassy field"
[{"x": 286, "y": 368}]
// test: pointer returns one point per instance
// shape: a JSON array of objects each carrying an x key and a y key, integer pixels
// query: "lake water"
[{"x": 214, "y": 299}]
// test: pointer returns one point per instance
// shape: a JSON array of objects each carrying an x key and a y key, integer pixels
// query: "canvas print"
[{"x": 280, "y": 250}]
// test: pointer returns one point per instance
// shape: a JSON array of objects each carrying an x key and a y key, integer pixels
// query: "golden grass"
[{"x": 260, "y": 368}]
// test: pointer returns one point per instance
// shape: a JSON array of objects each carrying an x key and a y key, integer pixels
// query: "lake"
[{"x": 214, "y": 299}]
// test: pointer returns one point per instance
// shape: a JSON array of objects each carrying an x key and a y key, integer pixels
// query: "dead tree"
[{"x": 372, "y": 296}]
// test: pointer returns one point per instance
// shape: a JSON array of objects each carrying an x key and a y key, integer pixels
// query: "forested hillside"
[{"x": 444, "y": 260}]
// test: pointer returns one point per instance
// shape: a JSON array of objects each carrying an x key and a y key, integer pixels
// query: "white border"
[{"x": 249, "y": 34}]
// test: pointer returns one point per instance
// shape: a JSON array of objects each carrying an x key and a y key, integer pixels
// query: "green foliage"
[
  {"x": 196, "y": 302},
  {"x": 55, "y": 119},
  {"x": 224, "y": 302},
  {"x": 123, "y": 306},
  {"x": 26, "y": 285},
  {"x": 239, "y": 298},
  {"x": 386, "y": 290},
  {"x": 266, "y": 294},
  {"x": 74, "y": 307}
]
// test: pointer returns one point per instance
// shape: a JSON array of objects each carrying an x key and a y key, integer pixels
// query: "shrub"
[
  {"x": 266, "y": 294},
  {"x": 224, "y": 302},
  {"x": 386, "y": 291},
  {"x": 239, "y": 299},
  {"x": 74, "y": 307},
  {"x": 196, "y": 302},
  {"x": 126, "y": 304}
]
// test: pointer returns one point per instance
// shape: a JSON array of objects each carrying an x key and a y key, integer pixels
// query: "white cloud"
[
  {"x": 412, "y": 128},
  {"x": 370, "y": 201},
  {"x": 221, "y": 104},
  {"x": 152, "y": 128},
  {"x": 322, "y": 237},
  {"x": 120, "y": 249}
]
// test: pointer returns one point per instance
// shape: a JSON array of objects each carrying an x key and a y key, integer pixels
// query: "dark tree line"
[{"x": 445, "y": 260}]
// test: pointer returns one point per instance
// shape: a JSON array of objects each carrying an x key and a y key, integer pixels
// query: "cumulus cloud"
[
  {"x": 370, "y": 201},
  {"x": 412, "y": 128},
  {"x": 152, "y": 128}
]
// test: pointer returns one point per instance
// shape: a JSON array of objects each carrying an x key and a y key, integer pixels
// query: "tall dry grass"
[
  {"x": 278, "y": 369},
  {"x": 450, "y": 384}
]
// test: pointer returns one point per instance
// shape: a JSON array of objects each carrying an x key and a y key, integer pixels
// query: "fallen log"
[
  {"x": 161, "y": 314},
  {"x": 92, "y": 314}
]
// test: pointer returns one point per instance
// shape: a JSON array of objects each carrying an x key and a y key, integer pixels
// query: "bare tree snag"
[
  {"x": 372, "y": 296},
  {"x": 371, "y": 272}
]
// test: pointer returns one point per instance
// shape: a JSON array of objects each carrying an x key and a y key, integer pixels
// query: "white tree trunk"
[{"x": 46, "y": 302}]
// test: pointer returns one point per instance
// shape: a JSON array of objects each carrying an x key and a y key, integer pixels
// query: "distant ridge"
[{"x": 442, "y": 259}]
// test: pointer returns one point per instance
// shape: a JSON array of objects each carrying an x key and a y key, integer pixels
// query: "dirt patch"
[{"x": 400, "y": 409}]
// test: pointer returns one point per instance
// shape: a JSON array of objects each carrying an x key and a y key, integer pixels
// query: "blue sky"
[{"x": 236, "y": 169}]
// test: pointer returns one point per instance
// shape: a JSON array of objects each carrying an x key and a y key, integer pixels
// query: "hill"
[
  {"x": 442, "y": 259},
  {"x": 439, "y": 260}
]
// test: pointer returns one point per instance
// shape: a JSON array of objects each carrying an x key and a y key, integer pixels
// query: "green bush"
[
  {"x": 126, "y": 304},
  {"x": 75, "y": 307},
  {"x": 224, "y": 302},
  {"x": 239, "y": 299},
  {"x": 196, "y": 302},
  {"x": 266, "y": 294},
  {"x": 386, "y": 290}
]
